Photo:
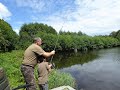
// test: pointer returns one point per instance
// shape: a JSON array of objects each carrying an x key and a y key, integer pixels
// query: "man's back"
[
  {"x": 30, "y": 57},
  {"x": 43, "y": 70}
]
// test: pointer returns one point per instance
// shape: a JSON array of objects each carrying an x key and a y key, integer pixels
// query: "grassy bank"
[{"x": 11, "y": 62}]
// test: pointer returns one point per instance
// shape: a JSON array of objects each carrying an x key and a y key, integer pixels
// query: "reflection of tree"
[{"x": 63, "y": 60}]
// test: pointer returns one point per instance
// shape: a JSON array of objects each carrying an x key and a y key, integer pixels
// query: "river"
[{"x": 93, "y": 70}]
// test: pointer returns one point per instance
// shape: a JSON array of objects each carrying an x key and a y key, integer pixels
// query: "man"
[{"x": 30, "y": 61}]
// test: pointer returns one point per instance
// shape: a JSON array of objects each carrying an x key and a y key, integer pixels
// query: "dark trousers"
[
  {"x": 28, "y": 74},
  {"x": 43, "y": 86}
]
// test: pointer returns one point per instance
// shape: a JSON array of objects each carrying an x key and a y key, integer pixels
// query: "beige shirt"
[
  {"x": 43, "y": 70},
  {"x": 30, "y": 58}
]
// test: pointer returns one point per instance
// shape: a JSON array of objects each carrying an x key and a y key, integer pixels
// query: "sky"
[{"x": 92, "y": 17}]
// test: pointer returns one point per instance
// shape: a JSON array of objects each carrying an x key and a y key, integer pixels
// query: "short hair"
[{"x": 36, "y": 39}]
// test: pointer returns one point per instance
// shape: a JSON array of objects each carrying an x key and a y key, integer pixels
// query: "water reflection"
[
  {"x": 65, "y": 59},
  {"x": 97, "y": 70}
]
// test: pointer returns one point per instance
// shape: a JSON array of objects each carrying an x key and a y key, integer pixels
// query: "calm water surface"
[{"x": 95, "y": 70}]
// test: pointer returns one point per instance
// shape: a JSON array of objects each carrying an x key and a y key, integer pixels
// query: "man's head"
[{"x": 37, "y": 41}]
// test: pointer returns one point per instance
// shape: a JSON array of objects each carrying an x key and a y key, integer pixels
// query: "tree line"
[{"x": 62, "y": 41}]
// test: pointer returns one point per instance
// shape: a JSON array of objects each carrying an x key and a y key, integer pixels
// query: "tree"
[
  {"x": 118, "y": 35},
  {"x": 29, "y": 31},
  {"x": 113, "y": 34},
  {"x": 8, "y": 38}
]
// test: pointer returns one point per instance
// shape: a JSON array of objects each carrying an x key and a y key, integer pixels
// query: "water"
[{"x": 95, "y": 70}]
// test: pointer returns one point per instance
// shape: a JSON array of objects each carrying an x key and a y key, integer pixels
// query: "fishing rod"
[
  {"x": 55, "y": 46},
  {"x": 57, "y": 38}
]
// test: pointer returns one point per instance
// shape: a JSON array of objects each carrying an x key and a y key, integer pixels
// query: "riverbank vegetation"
[{"x": 63, "y": 41}]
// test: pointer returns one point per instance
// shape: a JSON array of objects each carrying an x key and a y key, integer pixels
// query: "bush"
[{"x": 57, "y": 78}]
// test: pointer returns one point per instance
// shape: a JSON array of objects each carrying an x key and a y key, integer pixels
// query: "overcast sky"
[{"x": 92, "y": 17}]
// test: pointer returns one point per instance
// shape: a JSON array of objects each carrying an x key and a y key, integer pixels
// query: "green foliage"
[
  {"x": 8, "y": 38},
  {"x": 11, "y": 63},
  {"x": 57, "y": 79},
  {"x": 63, "y": 41},
  {"x": 70, "y": 42},
  {"x": 115, "y": 34},
  {"x": 71, "y": 33},
  {"x": 50, "y": 41},
  {"x": 29, "y": 31},
  {"x": 118, "y": 35}
]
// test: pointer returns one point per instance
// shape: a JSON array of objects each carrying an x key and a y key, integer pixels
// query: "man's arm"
[
  {"x": 40, "y": 51},
  {"x": 48, "y": 54}
]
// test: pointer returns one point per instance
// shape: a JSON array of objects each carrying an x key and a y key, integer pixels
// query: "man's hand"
[
  {"x": 48, "y": 54},
  {"x": 53, "y": 52},
  {"x": 50, "y": 65}
]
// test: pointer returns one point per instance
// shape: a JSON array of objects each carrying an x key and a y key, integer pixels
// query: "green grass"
[
  {"x": 11, "y": 62},
  {"x": 57, "y": 79}
]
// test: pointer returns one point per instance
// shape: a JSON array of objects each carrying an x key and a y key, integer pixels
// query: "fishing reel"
[{"x": 53, "y": 65}]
